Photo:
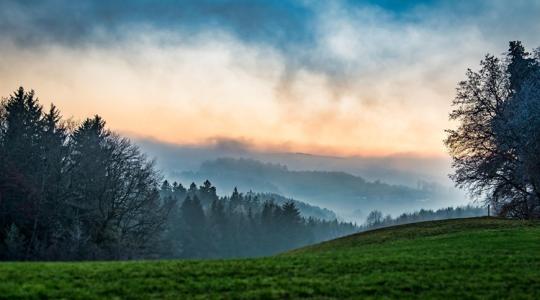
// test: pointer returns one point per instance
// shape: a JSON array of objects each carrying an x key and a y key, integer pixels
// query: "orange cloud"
[{"x": 192, "y": 93}]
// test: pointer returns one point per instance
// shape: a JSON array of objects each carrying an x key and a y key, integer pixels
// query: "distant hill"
[
  {"x": 478, "y": 258},
  {"x": 338, "y": 191},
  {"x": 395, "y": 169}
]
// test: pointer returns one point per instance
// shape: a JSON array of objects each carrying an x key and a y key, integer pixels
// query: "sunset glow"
[{"x": 370, "y": 80}]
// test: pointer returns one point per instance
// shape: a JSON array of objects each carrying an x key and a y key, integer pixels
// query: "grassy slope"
[{"x": 465, "y": 258}]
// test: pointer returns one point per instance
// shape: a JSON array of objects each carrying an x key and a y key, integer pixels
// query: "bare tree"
[
  {"x": 488, "y": 149},
  {"x": 115, "y": 191}
]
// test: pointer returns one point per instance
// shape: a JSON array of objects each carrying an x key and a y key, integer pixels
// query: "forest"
[
  {"x": 205, "y": 225},
  {"x": 78, "y": 191}
]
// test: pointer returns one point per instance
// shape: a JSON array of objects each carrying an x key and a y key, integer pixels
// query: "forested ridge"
[
  {"x": 206, "y": 225},
  {"x": 76, "y": 190},
  {"x": 339, "y": 189}
]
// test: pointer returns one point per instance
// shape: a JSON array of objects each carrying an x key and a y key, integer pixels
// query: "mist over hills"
[
  {"x": 403, "y": 169},
  {"x": 349, "y": 186},
  {"x": 350, "y": 196}
]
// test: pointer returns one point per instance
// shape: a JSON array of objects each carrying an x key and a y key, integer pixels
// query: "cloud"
[
  {"x": 227, "y": 144},
  {"x": 74, "y": 22},
  {"x": 336, "y": 38},
  {"x": 404, "y": 168},
  {"x": 343, "y": 77}
]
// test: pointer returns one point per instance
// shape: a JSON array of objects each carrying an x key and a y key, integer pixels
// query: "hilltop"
[{"x": 339, "y": 191}]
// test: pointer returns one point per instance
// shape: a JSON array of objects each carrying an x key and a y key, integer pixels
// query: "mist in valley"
[{"x": 349, "y": 186}]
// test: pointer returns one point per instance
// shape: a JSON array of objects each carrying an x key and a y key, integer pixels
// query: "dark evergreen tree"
[
  {"x": 179, "y": 191},
  {"x": 207, "y": 193},
  {"x": 194, "y": 233},
  {"x": 22, "y": 176},
  {"x": 166, "y": 189},
  {"x": 235, "y": 201},
  {"x": 79, "y": 194}
]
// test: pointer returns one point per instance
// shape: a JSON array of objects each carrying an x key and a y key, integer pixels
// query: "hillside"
[
  {"x": 395, "y": 169},
  {"x": 305, "y": 209},
  {"x": 461, "y": 258},
  {"x": 339, "y": 191}
]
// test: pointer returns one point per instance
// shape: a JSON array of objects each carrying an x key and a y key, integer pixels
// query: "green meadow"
[{"x": 458, "y": 259}]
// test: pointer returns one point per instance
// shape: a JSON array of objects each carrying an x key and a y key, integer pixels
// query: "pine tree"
[
  {"x": 23, "y": 164},
  {"x": 194, "y": 238},
  {"x": 236, "y": 201},
  {"x": 207, "y": 193}
]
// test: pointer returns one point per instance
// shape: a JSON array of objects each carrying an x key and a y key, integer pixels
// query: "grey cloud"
[
  {"x": 76, "y": 22},
  {"x": 290, "y": 27}
]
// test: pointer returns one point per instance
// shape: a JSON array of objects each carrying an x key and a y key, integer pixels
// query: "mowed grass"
[{"x": 454, "y": 259}]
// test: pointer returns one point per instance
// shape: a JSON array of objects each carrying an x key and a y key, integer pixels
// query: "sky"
[{"x": 343, "y": 78}]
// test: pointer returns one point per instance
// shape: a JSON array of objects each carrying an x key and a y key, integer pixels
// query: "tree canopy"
[
  {"x": 495, "y": 147},
  {"x": 78, "y": 191},
  {"x": 73, "y": 193}
]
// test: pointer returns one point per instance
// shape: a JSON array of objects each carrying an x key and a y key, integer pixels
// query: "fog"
[{"x": 412, "y": 173}]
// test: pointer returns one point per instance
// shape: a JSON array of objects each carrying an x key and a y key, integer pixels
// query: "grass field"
[{"x": 466, "y": 258}]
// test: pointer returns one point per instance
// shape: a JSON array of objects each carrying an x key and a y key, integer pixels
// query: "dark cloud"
[
  {"x": 384, "y": 33},
  {"x": 230, "y": 145},
  {"x": 285, "y": 24},
  {"x": 288, "y": 26},
  {"x": 76, "y": 22},
  {"x": 281, "y": 23}
]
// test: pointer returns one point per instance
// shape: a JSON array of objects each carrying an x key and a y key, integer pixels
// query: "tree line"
[
  {"x": 344, "y": 189},
  {"x": 376, "y": 218},
  {"x": 205, "y": 225},
  {"x": 78, "y": 191},
  {"x": 72, "y": 191}
]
